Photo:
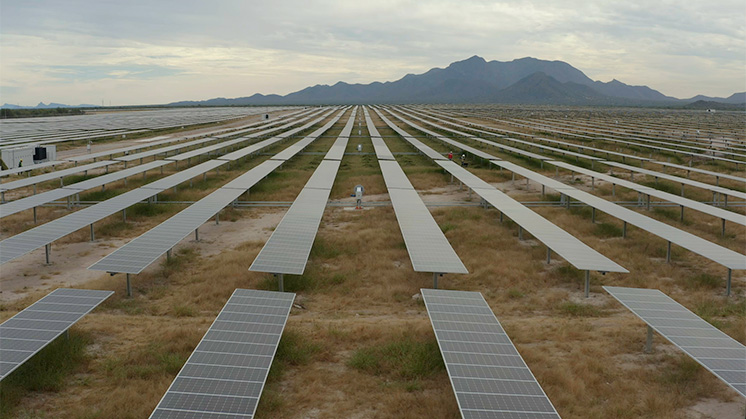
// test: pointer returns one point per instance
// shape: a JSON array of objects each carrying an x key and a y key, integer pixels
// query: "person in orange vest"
[{"x": 450, "y": 155}]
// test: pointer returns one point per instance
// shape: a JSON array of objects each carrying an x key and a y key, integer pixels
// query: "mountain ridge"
[{"x": 477, "y": 80}]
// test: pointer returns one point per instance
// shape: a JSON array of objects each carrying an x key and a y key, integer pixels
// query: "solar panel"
[
  {"x": 136, "y": 255},
  {"x": 471, "y": 150},
  {"x": 29, "y": 331},
  {"x": 20, "y": 183},
  {"x": 13, "y": 207},
  {"x": 574, "y": 251},
  {"x": 180, "y": 177},
  {"x": 428, "y": 247},
  {"x": 672, "y": 178},
  {"x": 685, "y": 202},
  {"x": 118, "y": 175},
  {"x": 394, "y": 176},
  {"x": 566, "y": 245},
  {"x": 162, "y": 150},
  {"x": 696, "y": 244},
  {"x": 29, "y": 240},
  {"x": 323, "y": 176},
  {"x": 225, "y": 375},
  {"x": 489, "y": 377},
  {"x": 382, "y": 151},
  {"x": 288, "y": 248},
  {"x": 717, "y": 352},
  {"x": 24, "y": 169}
]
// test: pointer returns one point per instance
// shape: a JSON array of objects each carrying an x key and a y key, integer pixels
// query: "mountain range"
[
  {"x": 475, "y": 80},
  {"x": 42, "y": 105}
]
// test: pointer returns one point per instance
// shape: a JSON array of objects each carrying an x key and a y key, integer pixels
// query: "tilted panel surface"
[
  {"x": 29, "y": 331},
  {"x": 489, "y": 377},
  {"x": 428, "y": 248},
  {"x": 136, "y": 255},
  {"x": 717, "y": 352},
  {"x": 225, "y": 375},
  {"x": 288, "y": 248}
]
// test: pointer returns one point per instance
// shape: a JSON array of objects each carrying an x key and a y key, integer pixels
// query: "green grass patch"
[
  {"x": 515, "y": 293},
  {"x": 115, "y": 229},
  {"x": 147, "y": 210},
  {"x": 177, "y": 261},
  {"x": 607, "y": 230},
  {"x": 156, "y": 359},
  {"x": 181, "y": 310},
  {"x": 405, "y": 360},
  {"x": 100, "y": 195},
  {"x": 569, "y": 273},
  {"x": 704, "y": 280},
  {"x": 445, "y": 228},
  {"x": 46, "y": 371}
]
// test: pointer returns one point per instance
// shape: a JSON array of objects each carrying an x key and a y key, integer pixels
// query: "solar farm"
[{"x": 439, "y": 261}]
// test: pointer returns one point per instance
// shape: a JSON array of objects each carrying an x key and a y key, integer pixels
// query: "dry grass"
[{"x": 360, "y": 346}]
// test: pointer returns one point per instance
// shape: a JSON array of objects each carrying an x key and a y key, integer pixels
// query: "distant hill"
[
  {"x": 720, "y": 106},
  {"x": 43, "y": 105}
]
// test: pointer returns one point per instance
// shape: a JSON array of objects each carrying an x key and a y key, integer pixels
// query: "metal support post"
[
  {"x": 196, "y": 234},
  {"x": 435, "y": 280},
  {"x": 549, "y": 255},
  {"x": 613, "y": 190},
  {"x": 682, "y": 213},
  {"x": 648, "y": 202},
  {"x": 168, "y": 255},
  {"x": 217, "y": 218},
  {"x": 129, "y": 287},
  {"x": 668, "y": 253},
  {"x": 587, "y": 283},
  {"x": 593, "y": 183},
  {"x": 501, "y": 215},
  {"x": 47, "y": 250},
  {"x": 727, "y": 283},
  {"x": 520, "y": 233},
  {"x": 280, "y": 283},
  {"x": 649, "y": 341},
  {"x": 542, "y": 190},
  {"x": 93, "y": 235},
  {"x": 723, "y": 227},
  {"x": 593, "y": 215},
  {"x": 124, "y": 215}
]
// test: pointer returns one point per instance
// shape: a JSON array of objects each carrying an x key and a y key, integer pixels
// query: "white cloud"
[{"x": 155, "y": 52}]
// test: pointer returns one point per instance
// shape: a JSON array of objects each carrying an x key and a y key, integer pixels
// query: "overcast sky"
[{"x": 146, "y": 52}]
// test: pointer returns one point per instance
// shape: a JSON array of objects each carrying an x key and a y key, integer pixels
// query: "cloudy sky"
[{"x": 144, "y": 52}]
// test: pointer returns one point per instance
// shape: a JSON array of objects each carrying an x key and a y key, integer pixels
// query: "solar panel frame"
[
  {"x": 694, "y": 329},
  {"x": 289, "y": 246},
  {"x": 691, "y": 242},
  {"x": 52, "y": 315},
  {"x": 20, "y": 183},
  {"x": 140, "y": 252},
  {"x": 685, "y": 202},
  {"x": 209, "y": 380},
  {"x": 488, "y": 376}
]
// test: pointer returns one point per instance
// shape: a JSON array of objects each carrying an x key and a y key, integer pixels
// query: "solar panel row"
[
  {"x": 225, "y": 375},
  {"x": 488, "y": 375},
  {"x": 139, "y": 253},
  {"x": 717, "y": 352},
  {"x": 29, "y": 331}
]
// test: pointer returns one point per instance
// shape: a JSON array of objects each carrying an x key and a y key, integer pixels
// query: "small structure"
[
  {"x": 358, "y": 193},
  {"x": 28, "y": 155}
]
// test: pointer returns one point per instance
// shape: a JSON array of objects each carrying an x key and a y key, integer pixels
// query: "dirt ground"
[{"x": 357, "y": 299}]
